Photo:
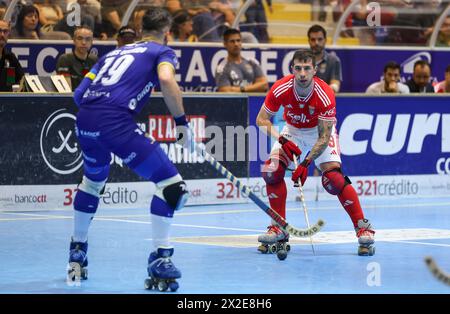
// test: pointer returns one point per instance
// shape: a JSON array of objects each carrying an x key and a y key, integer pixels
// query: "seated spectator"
[
  {"x": 390, "y": 82},
  {"x": 28, "y": 26},
  {"x": 236, "y": 74},
  {"x": 222, "y": 14},
  {"x": 3, "y": 7},
  {"x": 420, "y": 81},
  {"x": 443, "y": 39},
  {"x": 76, "y": 64},
  {"x": 112, "y": 13},
  {"x": 90, "y": 16},
  {"x": 10, "y": 70},
  {"x": 125, "y": 36},
  {"x": 444, "y": 86},
  {"x": 204, "y": 24},
  {"x": 257, "y": 21},
  {"x": 182, "y": 27},
  {"x": 50, "y": 13}
]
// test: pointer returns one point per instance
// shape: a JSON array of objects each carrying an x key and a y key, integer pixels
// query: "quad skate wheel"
[
  {"x": 366, "y": 251},
  {"x": 281, "y": 254},
  {"x": 162, "y": 286},
  {"x": 173, "y": 286},
  {"x": 75, "y": 272},
  {"x": 148, "y": 283},
  {"x": 272, "y": 248},
  {"x": 288, "y": 247},
  {"x": 263, "y": 248},
  {"x": 84, "y": 274}
]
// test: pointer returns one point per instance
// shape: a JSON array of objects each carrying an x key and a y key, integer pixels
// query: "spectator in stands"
[
  {"x": 76, "y": 64},
  {"x": 257, "y": 20},
  {"x": 50, "y": 13},
  {"x": 420, "y": 81},
  {"x": 390, "y": 82},
  {"x": 125, "y": 36},
  {"x": 204, "y": 24},
  {"x": 328, "y": 64},
  {"x": 223, "y": 14},
  {"x": 28, "y": 26},
  {"x": 3, "y": 7},
  {"x": 444, "y": 86},
  {"x": 443, "y": 39},
  {"x": 10, "y": 70},
  {"x": 112, "y": 13},
  {"x": 236, "y": 74},
  {"x": 90, "y": 16},
  {"x": 182, "y": 27}
]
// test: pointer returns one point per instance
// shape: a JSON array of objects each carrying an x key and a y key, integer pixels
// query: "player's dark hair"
[
  {"x": 391, "y": 65},
  {"x": 304, "y": 55},
  {"x": 229, "y": 32},
  {"x": 447, "y": 69},
  {"x": 317, "y": 28},
  {"x": 156, "y": 19}
]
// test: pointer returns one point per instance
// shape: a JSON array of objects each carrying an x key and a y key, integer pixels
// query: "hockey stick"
[
  {"x": 302, "y": 199},
  {"x": 436, "y": 271},
  {"x": 302, "y": 233}
]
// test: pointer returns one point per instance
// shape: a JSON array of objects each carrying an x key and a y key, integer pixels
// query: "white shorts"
[{"x": 305, "y": 140}]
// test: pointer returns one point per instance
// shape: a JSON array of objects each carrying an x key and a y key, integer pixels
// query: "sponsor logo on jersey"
[{"x": 296, "y": 118}]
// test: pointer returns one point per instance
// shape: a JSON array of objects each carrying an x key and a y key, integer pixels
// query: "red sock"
[
  {"x": 350, "y": 201},
  {"x": 277, "y": 194}
]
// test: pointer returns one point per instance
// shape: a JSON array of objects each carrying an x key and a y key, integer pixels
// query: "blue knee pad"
[
  {"x": 88, "y": 195},
  {"x": 85, "y": 202},
  {"x": 160, "y": 208}
]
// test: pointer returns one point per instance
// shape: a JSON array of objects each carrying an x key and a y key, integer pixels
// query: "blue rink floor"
[{"x": 215, "y": 248}]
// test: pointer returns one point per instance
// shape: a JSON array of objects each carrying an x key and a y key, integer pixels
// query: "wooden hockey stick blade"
[
  {"x": 280, "y": 221},
  {"x": 437, "y": 271}
]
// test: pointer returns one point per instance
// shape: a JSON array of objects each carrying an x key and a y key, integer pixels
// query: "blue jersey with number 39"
[{"x": 126, "y": 76}]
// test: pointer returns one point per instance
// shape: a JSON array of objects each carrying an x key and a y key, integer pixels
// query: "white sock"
[
  {"x": 81, "y": 222},
  {"x": 160, "y": 231}
]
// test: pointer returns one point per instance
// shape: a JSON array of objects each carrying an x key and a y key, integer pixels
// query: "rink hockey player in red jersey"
[{"x": 310, "y": 134}]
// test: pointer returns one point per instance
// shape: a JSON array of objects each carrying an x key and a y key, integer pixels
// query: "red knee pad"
[
  {"x": 334, "y": 181},
  {"x": 273, "y": 171}
]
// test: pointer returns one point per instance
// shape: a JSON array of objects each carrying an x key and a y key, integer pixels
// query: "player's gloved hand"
[
  {"x": 289, "y": 147},
  {"x": 185, "y": 135},
  {"x": 301, "y": 172}
]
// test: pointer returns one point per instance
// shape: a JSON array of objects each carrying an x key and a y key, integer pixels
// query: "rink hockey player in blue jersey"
[{"x": 114, "y": 90}]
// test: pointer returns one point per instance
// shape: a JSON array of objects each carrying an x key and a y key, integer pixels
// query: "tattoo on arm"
[{"x": 324, "y": 129}]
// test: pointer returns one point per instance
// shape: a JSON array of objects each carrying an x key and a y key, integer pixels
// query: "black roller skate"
[
  {"x": 366, "y": 240},
  {"x": 161, "y": 271},
  {"x": 274, "y": 241},
  {"x": 78, "y": 262}
]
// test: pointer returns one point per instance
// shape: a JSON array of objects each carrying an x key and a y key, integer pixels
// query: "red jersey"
[{"x": 301, "y": 112}]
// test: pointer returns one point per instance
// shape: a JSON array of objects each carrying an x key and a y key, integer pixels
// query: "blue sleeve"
[
  {"x": 167, "y": 55},
  {"x": 85, "y": 83}
]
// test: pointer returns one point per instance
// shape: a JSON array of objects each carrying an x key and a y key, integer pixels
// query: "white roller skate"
[
  {"x": 276, "y": 241},
  {"x": 365, "y": 235},
  {"x": 78, "y": 262},
  {"x": 161, "y": 271}
]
